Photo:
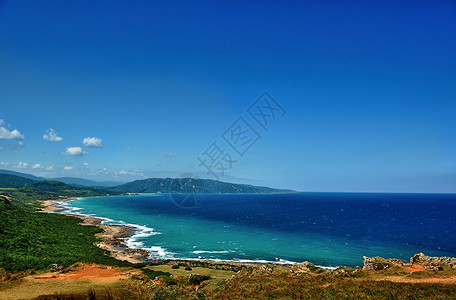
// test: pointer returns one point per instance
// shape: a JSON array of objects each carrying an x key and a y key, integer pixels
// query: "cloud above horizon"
[
  {"x": 74, "y": 151},
  {"x": 52, "y": 136},
  {"x": 68, "y": 168},
  {"x": 5, "y": 134},
  {"x": 21, "y": 165},
  {"x": 92, "y": 142}
]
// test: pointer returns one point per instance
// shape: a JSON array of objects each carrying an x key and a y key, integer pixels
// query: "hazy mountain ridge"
[
  {"x": 191, "y": 185},
  {"x": 68, "y": 180},
  {"x": 14, "y": 179}
]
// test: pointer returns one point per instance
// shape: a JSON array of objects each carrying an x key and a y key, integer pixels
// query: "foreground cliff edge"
[{"x": 422, "y": 277}]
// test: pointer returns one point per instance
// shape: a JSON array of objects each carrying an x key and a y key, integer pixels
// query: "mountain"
[
  {"x": 86, "y": 182},
  {"x": 151, "y": 185},
  {"x": 13, "y": 181},
  {"x": 68, "y": 180},
  {"x": 24, "y": 175},
  {"x": 191, "y": 185}
]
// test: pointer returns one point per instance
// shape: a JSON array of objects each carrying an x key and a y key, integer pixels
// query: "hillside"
[
  {"x": 13, "y": 181},
  {"x": 23, "y": 190},
  {"x": 68, "y": 180},
  {"x": 19, "y": 174},
  {"x": 151, "y": 185},
  {"x": 190, "y": 185},
  {"x": 86, "y": 182}
]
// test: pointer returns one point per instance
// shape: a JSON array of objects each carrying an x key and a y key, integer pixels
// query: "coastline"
[{"x": 112, "y": 238}]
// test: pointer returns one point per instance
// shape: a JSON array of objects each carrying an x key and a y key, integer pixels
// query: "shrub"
[{"x": 197, "y": 279}]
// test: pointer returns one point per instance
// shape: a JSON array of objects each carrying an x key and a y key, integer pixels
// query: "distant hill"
[
  {"x": 24, "y": 175},
  {"x": 68, "y": 180},
  {"x": 23, "y": 190},
  {"x": 191, "y": 185},
  {"x": 151, "y": 185},
  {"x": 13, "y": 181},
  {"x": 86, "y": 182}
]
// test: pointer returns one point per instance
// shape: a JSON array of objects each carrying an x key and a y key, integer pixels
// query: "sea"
[{"x": 327, "y": 229}]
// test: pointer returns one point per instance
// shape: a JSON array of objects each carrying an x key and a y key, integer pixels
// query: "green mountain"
[
  {"x": 23, "y": 190},
  {"x": 191, "y": 185},
  {"x": 68, "y": 180},
  {"x": 24, "y": 175},
  {"x": 86, "y": 182},
  {"x": 13, "y": 181}
]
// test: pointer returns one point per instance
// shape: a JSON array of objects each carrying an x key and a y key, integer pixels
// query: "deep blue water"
[{"x": 329, "y": 229}]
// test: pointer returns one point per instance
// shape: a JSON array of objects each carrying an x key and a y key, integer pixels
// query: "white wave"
[
  {"x": 208, "y": 251},
  {"x": 159, "y": 252}
]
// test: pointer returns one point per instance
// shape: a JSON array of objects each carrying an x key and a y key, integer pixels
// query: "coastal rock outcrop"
[
  {"x": 307, "y": 266},
  {"x": 376, "y": 263},
  {"x": 433, "y": 262}
]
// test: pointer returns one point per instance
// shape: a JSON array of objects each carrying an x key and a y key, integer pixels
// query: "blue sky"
[{"x": 143, "y": 88}]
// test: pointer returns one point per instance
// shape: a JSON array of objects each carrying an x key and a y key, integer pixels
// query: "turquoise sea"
[{"x": 328, "y": 229}]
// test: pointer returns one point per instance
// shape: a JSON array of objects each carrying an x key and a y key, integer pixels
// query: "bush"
[
  {"x": 175, "y": 267},
  {"x": 188, "y": 269},
  {"x": 197, "y": 279},
  {"x": 168, "y": 280},
  {"x": 153, "y": 274}
]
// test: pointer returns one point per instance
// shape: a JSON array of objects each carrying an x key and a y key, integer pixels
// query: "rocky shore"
[{"x": 420, "y": 260}]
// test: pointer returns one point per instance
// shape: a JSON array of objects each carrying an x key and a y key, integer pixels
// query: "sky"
[{"x": 327, "y": 96}]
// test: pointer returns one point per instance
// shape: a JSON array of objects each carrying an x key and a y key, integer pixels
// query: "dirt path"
[
  {"x": 79, "y": 281},
  {"x": 449, "y": 280},
  {"x": 87, "y": 272}
]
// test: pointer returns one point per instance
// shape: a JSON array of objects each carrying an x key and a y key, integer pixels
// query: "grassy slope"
[{"x": 32, "y": 240}]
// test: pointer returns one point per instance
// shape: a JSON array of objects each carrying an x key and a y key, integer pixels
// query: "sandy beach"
[{"x": 113, "y": 237}]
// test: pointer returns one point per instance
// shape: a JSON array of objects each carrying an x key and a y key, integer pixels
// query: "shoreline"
[{"x": 112, "y": 238}]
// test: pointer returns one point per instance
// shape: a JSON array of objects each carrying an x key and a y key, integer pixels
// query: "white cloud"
[
  {"x": 2, "y": 122},
  {"x": 5, "y": 164},
  {"x": 114, "y": 173},
  {"x": 93, "y": 142},
  {"x": 52, "y": 136},
  {"x": 127, "y": 149},
  {"x": 37, "y": 166},
  {"x": 21, "y": 144},
  {"x": 134, "y": 173},
  {"x": 170, "y": 154},
  {"x": 85, "y": 164},
  {"x": 69, "y": 168},
  {"x": 9, "y": 135},
  {"x": 74, "y": 151},
  {"x": 21, "y": 165},
  {"x": 50, "y": 168}
]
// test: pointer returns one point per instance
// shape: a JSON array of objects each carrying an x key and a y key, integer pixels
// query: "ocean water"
[{"x": 328, "y": 229}]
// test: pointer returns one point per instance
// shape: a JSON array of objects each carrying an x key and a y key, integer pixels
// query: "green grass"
[
  {"x": 213, "y": 273},
  {"x": 32, "y": 240}
]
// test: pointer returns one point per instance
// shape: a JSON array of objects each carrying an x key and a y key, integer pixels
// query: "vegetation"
[
  {"x": 191, "y": 185},
  {"x": 23, "y": 191},
  {"x": 33, "y": 240}
]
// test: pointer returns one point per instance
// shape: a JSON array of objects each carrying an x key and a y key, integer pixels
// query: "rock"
[
  {"x": 56, "y": 268},
  {"x": 307, "y": 266},
  {"x": 433, "y": 262},
  {"x": 375, "y": 263}
]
